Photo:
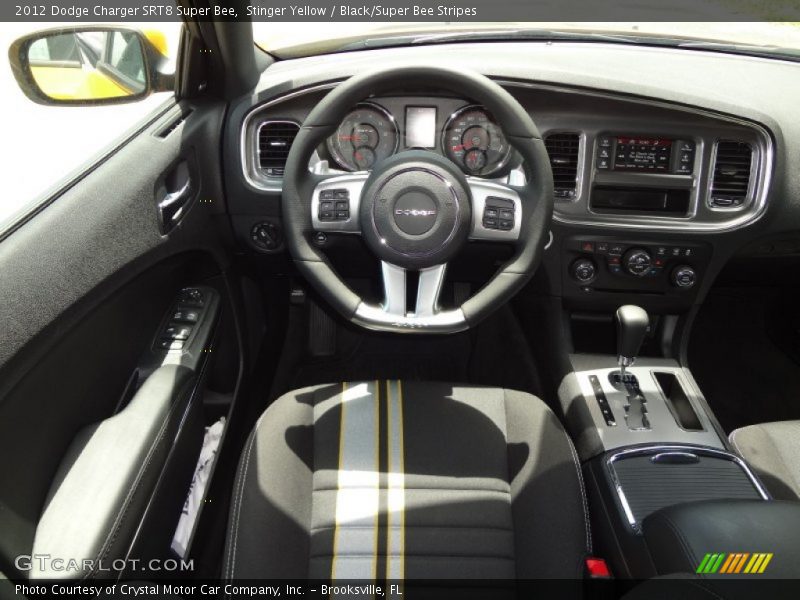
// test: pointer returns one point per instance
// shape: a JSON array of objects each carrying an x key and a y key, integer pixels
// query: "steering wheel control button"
[
  {"x": 334, "y": 205},
  {"x": 320, "y": 238},
  {"x": 684, "y": 277},
  {"x": 637, "y": 262},
  {"x": 498, "y": 213},
  {"x": 584, "y": 270},
  {"x": 415, "y": 212}
]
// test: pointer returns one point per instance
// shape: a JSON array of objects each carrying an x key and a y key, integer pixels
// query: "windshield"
[{"x": 288, "y": 40}]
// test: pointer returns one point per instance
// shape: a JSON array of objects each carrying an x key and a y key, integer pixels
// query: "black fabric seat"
[
  {"x": 406, "y": 480},
  {"x": 773, "y": 450}
]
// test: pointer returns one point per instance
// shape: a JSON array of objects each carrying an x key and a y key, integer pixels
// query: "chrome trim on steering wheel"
[
  {"x": 431, "y": 281},
  {"x": 394, "y": 288},
  {"x": 374, "y": 317},
  {"x": 392, "y": 314}
]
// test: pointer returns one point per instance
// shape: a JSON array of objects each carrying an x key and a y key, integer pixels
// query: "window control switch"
[
  {"x": 168, "y": 344},
  {"x": 191, "y": 297},
  {"x": 183, "y": 315},
  {"x": 177, "y": 332}
]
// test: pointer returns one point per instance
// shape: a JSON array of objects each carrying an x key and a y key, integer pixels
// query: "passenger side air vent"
[
  {"x": 563, "y": 149},
  {"x": 274, "y": 141},
  {"x": 731, "y": 174}
]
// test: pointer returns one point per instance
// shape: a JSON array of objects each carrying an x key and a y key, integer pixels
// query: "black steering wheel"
[{"x": 416, "y": 209}]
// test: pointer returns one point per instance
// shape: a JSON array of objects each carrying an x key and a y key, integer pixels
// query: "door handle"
[
  {"x": 172, "y": 203},
  {"x": 177, "y": 198}
]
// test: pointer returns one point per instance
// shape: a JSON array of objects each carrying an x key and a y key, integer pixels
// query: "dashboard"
[
  {"x": 664, "y": 163},
  {"x": 617, "y": 161}
]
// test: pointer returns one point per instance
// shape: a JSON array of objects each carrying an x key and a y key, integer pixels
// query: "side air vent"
[
  {"x": 563, "y": 149},
  {"x": 274, "y": 141},
  {"x": 732, "y": 169}
]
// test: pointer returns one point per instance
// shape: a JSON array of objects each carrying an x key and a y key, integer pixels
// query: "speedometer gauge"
[
  {"x": 366, "y": 136},
  {"x": 473, "y": 140}
]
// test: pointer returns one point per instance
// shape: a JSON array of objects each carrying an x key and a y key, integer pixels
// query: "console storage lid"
[{"x": 764, "y": 535}]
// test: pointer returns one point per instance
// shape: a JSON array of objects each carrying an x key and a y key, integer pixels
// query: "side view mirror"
[{"x": 89, "y": 65}]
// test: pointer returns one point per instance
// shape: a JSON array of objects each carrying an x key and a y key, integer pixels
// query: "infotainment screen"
[
  {"x": 420, "y": 127},
  {"x": 645, "y": 154},
  {"x": 642, "y": 154}
]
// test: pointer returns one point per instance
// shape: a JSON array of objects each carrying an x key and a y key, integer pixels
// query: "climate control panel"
[{"x": 614, "y": 265}]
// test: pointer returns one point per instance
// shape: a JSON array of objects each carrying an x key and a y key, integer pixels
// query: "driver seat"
[{"x": 391, "y": 480}]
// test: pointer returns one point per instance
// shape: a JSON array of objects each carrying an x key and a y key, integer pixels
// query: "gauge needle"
[{"x": 465, "y": 146}]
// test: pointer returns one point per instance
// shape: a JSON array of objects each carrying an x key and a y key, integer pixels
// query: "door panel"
[
  {"x": 107, "y": 223},
  {"x": 86, "y": 285}
]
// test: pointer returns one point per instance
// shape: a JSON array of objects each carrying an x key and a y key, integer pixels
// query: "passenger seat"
[{"x": 773, "y": 451}]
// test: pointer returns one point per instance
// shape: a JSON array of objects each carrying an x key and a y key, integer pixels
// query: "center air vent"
[
  {"x": 563, "y": 149},
  {"x": 274, "y": 142},
  {"x": 732, "y": 169}
]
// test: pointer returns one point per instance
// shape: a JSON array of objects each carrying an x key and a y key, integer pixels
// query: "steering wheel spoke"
[
  {"x": 429, "y": 290},
  {"x": 392, "y": 314},
  {"x": 394, "y": 289},
  {"x": 395, "y": 286},
  {"x": 496, "y": 211},
  {"x": 335, "y": 203}
]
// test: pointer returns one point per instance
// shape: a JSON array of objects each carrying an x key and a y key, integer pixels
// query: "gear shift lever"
[{"x": 632, "y": 324}]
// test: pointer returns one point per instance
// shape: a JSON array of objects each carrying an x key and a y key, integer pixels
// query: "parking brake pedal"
[{"x": 321, "y": 331}]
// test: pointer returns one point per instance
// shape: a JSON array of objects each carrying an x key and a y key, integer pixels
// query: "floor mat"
[{"x": 745, "y": 354}]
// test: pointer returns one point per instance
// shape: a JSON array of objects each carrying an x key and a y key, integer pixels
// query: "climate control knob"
[
  {"x": 684, "y": 277},
  {"x": 584, "y": 270},
  {"x": 637, "y": 262}
]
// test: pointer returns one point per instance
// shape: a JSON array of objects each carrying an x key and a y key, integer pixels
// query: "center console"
[{"x": 649, "y": 443}]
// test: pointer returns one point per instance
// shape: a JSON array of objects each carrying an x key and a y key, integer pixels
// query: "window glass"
[{"x": 45, "y": 146}]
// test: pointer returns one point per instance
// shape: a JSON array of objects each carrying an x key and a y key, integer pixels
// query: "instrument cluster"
[{"x": 468, "y": 136}]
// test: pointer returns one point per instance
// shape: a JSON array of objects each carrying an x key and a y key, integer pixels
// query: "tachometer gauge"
[
  {"x": 366, "y": 136},
  {"x": 473, "y": 141}
]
